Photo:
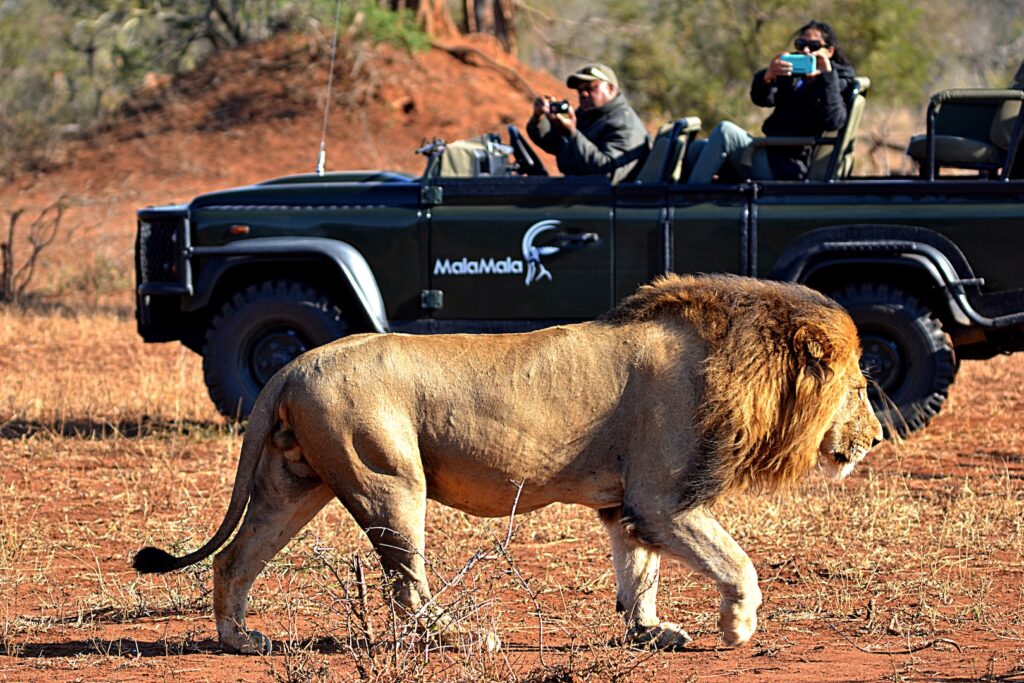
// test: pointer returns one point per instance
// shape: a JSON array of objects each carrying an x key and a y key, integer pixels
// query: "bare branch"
[
  {"x": 42, "y": 232},
  {"x": 903, "y": 651}
]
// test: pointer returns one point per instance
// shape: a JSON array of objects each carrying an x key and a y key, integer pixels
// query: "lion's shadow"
[
  {"x": 131, "y": 648},
  {"x": 128, "y": 648}
]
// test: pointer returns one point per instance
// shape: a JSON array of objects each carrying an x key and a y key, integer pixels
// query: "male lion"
[{"x": 690, "y": 388}]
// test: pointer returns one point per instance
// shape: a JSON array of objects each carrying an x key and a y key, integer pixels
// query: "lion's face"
[{"x": 854, "y": 429}]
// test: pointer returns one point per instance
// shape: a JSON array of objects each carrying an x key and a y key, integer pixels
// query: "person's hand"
[
  {"x": 542, "y": 106},
  {"x": 777, "y": 68},
  {"x": 566, "y": 121},
  {"x": 823, "y": 64}
]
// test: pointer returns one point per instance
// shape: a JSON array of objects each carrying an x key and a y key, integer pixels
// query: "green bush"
[
  {"x": 699, "y": 57},
  {"x": 369, "y": 21},
  {"x": 65, "y": 64}
]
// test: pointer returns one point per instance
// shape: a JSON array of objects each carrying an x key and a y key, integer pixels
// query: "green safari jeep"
[{"x": 927, "y": 265}]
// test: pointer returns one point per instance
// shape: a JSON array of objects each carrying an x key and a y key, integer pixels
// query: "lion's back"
[{"x": 474, "y": 411}]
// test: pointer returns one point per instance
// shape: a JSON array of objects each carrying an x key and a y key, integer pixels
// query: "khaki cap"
[{"x": 592, "y": 72}]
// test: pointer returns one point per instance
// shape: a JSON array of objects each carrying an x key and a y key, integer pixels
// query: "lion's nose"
[{"x": 879, "y": 432}]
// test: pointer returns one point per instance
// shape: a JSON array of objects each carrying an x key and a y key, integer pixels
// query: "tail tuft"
[{"x": 154, "y": 561}]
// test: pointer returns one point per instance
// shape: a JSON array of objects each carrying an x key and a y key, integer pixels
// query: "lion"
[{"x": 691, "y": 389}]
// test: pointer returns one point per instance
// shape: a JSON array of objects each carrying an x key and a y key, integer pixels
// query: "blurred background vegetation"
[{"x": 67, "y": 64}]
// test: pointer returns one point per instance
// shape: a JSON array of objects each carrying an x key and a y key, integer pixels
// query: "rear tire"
[
  {"x": 907, "y": 358},
  {"x": 259, "y": 331}
]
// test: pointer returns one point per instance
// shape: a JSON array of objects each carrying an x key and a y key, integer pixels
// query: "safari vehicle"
[{"x": 927, "y": 265}]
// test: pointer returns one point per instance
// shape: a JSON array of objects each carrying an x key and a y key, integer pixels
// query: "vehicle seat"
[
  {"x": 665, "y": 162},
  {"x": 972, "y": 128},
  {"x": 836, "y": 160},
  {"x": 483, "y": 155},
  {"x": 832, "y": 156}
]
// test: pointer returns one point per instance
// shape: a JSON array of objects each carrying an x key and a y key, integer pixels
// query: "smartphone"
[{"x": 802, "y": 64}]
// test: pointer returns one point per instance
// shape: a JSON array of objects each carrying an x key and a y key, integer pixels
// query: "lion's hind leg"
[
  {"x": 286, "y": 495},
  {"x": 636, "y": 577},
  {"x": 384, "y": 488},
  {"x": 394, "y": 524}
]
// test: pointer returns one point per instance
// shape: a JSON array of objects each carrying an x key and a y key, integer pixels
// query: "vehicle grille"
[{"x": 159, "y": 250}]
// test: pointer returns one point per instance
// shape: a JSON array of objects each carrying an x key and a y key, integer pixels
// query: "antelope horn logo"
[{"x": 535, "y": 270}]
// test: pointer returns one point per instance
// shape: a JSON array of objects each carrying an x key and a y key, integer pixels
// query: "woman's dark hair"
[{"x": 830, "y": 39}]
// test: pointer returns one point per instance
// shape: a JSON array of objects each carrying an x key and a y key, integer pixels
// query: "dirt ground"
[{"x": 912, "y": 570}]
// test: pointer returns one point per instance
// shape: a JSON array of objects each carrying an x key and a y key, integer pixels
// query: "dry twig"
[{"x": 904, "y": 651}]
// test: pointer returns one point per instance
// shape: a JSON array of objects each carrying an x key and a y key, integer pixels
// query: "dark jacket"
[
  {"x": 803, "y": 107},
  {"x": 609, "y": 140}
]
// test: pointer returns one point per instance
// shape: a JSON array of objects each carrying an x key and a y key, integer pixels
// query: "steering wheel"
[{"x": 528, "y": 161}]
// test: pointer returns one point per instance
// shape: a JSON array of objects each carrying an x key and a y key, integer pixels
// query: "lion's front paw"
[
  {"x": 246, "y": 643},
  {"x": 737, "y": 624},
  {"x": 664, "y": 636}
]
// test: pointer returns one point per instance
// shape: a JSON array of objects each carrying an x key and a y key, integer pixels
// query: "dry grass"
[{"x": 109, "y": 444}]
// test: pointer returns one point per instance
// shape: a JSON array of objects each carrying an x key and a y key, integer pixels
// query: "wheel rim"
[
  {"x": 271, "y": 351},
  {"x": 882, "y": 361}
]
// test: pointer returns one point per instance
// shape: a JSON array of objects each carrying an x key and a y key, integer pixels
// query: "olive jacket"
[{"x": 609, "y": 140}]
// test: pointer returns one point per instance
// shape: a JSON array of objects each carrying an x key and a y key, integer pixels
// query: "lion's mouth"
[{"x": 841, "y": 458}]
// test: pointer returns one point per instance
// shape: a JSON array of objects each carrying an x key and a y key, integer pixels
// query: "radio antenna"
[{"x": 322, "y": 157}]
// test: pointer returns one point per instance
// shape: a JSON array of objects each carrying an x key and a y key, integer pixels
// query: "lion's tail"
[{"x": 152, "y": 560}]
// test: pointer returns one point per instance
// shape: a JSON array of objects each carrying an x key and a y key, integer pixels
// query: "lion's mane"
[{"x": 773, "y": 374}]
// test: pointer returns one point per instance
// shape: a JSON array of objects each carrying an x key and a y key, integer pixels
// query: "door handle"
[{"x": 567, "y": 241}]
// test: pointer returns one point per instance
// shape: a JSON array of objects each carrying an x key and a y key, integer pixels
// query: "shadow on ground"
[{"x": 82, "y": 428}]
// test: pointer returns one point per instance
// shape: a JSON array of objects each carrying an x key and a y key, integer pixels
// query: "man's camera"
[{"x": 560, "y": 107}]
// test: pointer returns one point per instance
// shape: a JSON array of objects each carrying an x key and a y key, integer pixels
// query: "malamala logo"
[
  {"x": 484, "y": 266},
  {"x": 534, "y": 269}
]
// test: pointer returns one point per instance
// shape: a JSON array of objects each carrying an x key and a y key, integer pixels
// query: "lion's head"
[
  {"x": 783, "y": 390},
  {"x": 853, "y": 431}
]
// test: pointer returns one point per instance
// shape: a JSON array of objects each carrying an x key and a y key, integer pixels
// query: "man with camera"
[{"x": 603, "y": 137}]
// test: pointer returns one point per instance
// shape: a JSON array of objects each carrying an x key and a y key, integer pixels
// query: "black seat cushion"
[{"x": 952, "y": 150}]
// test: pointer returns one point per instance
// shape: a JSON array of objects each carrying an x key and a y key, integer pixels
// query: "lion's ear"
[{"x": 813, "y": 352}]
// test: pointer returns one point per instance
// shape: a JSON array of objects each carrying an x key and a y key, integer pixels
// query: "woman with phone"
[{"x": 808, "y": 90}]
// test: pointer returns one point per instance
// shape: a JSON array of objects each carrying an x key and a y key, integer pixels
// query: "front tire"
[
  {"x": 259, "y": 331},
  {"x": 907, "y": 358}
]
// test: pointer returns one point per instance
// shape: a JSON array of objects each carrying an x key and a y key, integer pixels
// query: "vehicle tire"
[
  {"x": 259, "y": 331},
  {"x": 907, "y": 357}
]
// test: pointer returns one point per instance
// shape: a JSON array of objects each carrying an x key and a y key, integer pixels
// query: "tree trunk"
[
  {"x": 469, "y": 10},
  {"x": 432, "y": 15},
  {"x": 496, "y": 17},
  {"x": 505, "y": 24},
  {"x": 7, "y": 260}
]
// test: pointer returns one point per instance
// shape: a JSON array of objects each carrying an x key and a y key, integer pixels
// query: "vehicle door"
[
  {"x": 520, "y": 248},
  {"x": 673, "y": 227}
]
